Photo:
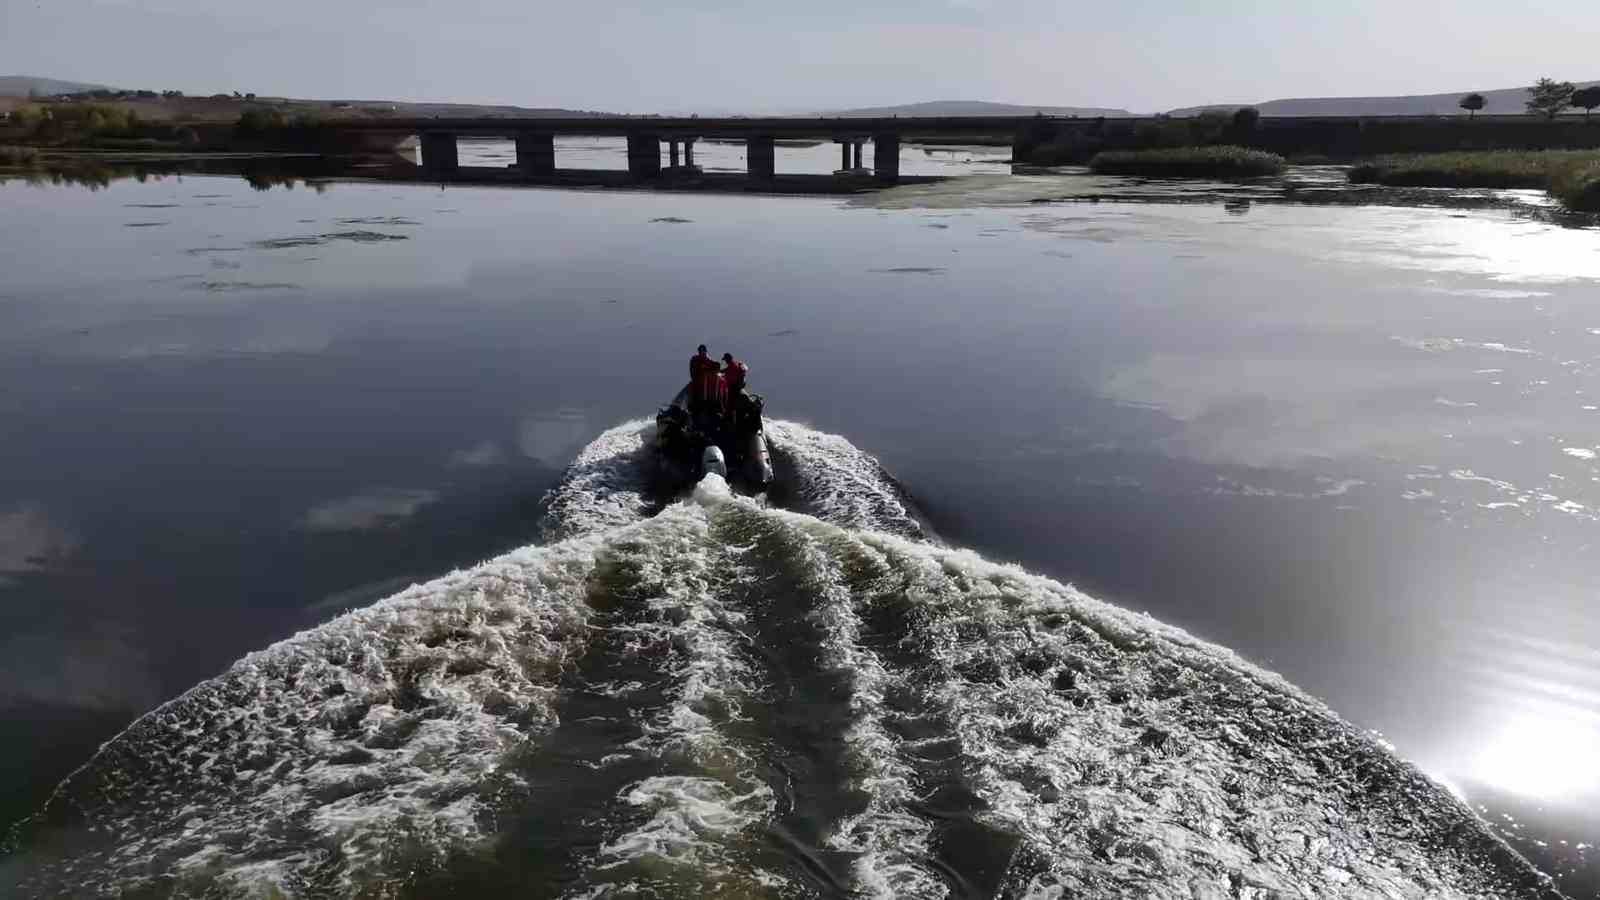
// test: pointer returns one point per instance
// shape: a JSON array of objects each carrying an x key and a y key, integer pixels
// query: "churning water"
[{"x": 710, "y": 696}]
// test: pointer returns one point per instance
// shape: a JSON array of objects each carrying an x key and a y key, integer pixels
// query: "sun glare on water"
[{"x": 1541, "y": 757}]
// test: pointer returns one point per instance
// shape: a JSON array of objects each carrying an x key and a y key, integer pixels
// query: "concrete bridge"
[{"x": 535, "y": 138}]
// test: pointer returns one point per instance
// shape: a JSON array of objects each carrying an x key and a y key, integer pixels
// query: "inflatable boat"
[{"x": 723, "y": 436}]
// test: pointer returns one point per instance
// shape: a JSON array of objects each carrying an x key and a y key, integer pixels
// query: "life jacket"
[
  {"x": 719, "y": 392},
  {"x": 736, "y": 374}
]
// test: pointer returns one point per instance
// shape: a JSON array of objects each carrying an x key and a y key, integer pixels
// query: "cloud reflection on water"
[
  {"x": 376, "y": 508},
  {"x": 31, "y": 541}
]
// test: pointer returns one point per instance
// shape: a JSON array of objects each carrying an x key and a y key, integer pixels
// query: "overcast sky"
[{"x": 754, "y": 55}]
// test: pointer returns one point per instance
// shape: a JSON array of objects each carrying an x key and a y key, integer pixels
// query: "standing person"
[
  {"x": 703, "y": 378},
  {"x": 736, "y": 372},
  {"x": 734, "y": 375}
]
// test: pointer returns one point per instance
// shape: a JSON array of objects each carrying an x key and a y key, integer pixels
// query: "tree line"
[
  {"x": 112, "y": 94},
  {"x": 1548, "y": 98}
]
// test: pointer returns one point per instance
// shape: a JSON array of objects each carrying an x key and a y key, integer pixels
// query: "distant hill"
[
  {"x": 1505, "y": 101},
  {"x": 200, "y": 104},
  {"x": 22, "y": 85},
  {"x": 974, "y": 108},
  {"x": 226, "y": 107}
]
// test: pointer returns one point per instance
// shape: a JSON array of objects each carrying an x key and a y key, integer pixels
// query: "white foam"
[
  {"x": 840, "y": 483},
  {"x": 605, "y": 485},
  {"x": 690, "y": 814},
  {"x": 707, "y": 797},
  {"x": 383, "y": 724},
  {"x": 1116, "y": 785},
  {"x": 893, "y": 843},
  {"x": 1126, "y": 756}
]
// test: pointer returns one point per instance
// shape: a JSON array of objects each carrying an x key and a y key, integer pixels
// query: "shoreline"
[
  {"x": 1324, "y": 186},
  {"x": 104, "y": 165}
]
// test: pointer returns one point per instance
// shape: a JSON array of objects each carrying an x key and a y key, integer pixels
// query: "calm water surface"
[{"x": 1356, "y": 444}]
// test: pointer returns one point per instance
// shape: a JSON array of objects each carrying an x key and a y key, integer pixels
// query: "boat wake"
[{"x": 711, "y": 697}]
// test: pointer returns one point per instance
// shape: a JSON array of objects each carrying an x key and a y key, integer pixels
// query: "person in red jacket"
[
  {"x": 735, "y": 372},
  {"x": 705, "y": 380}
]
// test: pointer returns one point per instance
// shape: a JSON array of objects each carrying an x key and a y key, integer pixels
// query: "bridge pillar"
[
  {"x": 536, "y": 153},
  {"x": 644, "y": 155},
  {"x": 860, "y": 160},
  {"x": 688, "y": 153},
  {"x": 439, "y": 152},
  {"x": 886, "y": 157},
  {"x": 844, "y": 156},
  {"x": 672, "y": 153},
  {"x": 761, "y": 156}
]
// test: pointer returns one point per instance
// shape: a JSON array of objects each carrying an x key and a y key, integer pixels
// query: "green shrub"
[{"x": 1223, "y": 161}]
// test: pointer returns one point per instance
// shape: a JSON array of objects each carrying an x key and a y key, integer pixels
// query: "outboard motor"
[
  {"x": 758, "y": 462},
  {"x": 711, "y": 461}
]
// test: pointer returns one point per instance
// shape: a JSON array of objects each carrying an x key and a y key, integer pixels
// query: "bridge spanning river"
[
  {"x": 536, "y": 149},
  {"x": 1334, "y": 137}
]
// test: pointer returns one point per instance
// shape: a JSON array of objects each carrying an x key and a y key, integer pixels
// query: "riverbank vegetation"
[
  {"x": 1578, "y": 186},
  {"x": 1053, "y": 142},
  {"x": 18, "y": 156},
  {"x": 69, "y": 122},
  {"x": 1546, "y": 126},
  {"x": 1218, "y": 161},
  {"x": 1490, "y": 169},
  {"x": 93, "y": 126},
  {"x": 1572, "y": 176},
  {"x": 272, "y": 129},
  {"x": 99, "y": 126}
]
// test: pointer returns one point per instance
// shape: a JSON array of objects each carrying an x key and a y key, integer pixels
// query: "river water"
[{"x": 1356, "y": 444}]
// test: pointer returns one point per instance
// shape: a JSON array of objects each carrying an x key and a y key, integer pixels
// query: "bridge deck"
[{"x": 692, "y": 127}]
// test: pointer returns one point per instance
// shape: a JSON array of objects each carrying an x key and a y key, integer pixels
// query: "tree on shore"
[
  {"x": 1549, "y": 97},
  {"x": 1241, "y": 128},
  {"x": 1586, "y": 99},
  {"x": 1472, "y": 103}
]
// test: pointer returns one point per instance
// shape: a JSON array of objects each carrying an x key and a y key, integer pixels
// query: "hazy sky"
[{"x": 719, "y": 55}]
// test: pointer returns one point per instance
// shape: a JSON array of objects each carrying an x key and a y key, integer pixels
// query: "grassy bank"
[
  {"x": 1572, "y": 176},
  {"x": 1221, "y": 161},
  {"x": 1488, "y": 169}
]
